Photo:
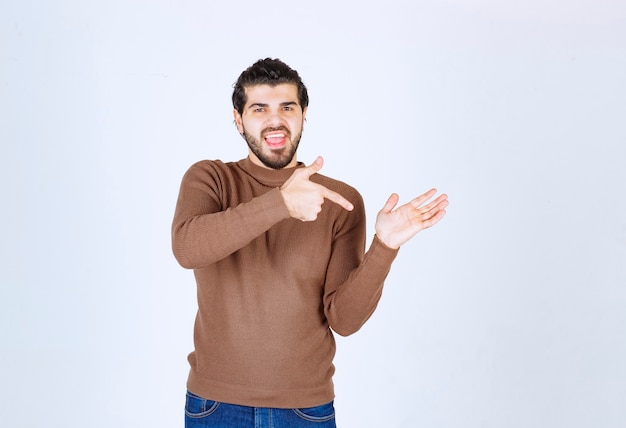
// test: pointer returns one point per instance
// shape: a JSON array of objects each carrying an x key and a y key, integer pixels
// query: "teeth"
[{"x": 275, "y": 136}]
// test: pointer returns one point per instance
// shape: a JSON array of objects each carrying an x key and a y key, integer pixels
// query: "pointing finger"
[{"x": 338, "y": 199}]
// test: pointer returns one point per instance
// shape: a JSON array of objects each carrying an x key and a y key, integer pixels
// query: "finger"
[
  {"x": 432, "y": 212},
  {"x": 439, "y": 203},
  {"x": 433, "y": 220},
  {"x": 337, "y": 198},
  {"x": 317, "y": 164},
  {"x": 417, "y": 202},
  {"x": 391, "y": 203},
  {"x": 430, "y": 215}
]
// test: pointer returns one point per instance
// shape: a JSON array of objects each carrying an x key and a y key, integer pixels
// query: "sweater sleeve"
[
  {"x": 354, "y": 282},
  {"x": 205, "y": 229}
]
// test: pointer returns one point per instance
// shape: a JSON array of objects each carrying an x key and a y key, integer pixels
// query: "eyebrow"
[{"x": 283, "y": 104}]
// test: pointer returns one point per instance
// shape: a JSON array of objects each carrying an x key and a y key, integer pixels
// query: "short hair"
[{"x": 271, "y": 72}]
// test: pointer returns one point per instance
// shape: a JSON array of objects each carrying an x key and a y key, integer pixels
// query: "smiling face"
[{"x": 271, "y": 123}]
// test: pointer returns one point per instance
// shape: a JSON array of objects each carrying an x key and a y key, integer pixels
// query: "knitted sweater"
[{"x": 270, "y": 287}]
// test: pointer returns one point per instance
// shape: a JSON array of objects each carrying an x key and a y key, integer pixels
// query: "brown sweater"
[{"x": 270, "y": 286}]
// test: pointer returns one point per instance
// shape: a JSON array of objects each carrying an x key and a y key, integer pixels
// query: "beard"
[{"x": 276, "y": 158}]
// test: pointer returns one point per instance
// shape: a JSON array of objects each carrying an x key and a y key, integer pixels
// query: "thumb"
[
  {"x": 314, "y": 167},
  {"x": 391, "y": 203}
]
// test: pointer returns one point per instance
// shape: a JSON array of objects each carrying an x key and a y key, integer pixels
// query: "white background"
[{"x": 510, "y": 313}]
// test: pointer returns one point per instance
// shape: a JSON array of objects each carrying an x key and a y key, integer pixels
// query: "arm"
[
  {"x": 349, "y": 304},
  {"x": 205, "y": 229},
  {"x": 208, "y": 226}
]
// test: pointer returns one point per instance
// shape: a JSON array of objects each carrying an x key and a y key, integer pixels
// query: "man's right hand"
[{"x": 304, "y": 198}]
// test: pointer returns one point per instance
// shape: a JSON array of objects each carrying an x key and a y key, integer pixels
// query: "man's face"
[{"x": 271, "y": 124}]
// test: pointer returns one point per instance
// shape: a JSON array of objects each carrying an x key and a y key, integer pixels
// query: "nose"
[{"x": 275, "y": 119}]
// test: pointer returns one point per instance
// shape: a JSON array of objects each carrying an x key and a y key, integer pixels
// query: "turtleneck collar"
[{"x": 266, "y": 176}]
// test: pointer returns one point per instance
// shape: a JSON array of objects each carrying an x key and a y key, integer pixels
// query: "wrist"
[{"x": 387, "y": 242}]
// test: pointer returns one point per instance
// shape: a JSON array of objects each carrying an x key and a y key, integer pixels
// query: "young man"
[{"x": 278, "y": 253}]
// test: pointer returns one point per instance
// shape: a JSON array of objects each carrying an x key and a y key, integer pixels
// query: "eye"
[
  {"x": 287, "y": 108},
  {"x": 259, "y": 110}
]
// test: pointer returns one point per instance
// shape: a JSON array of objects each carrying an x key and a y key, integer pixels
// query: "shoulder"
[
  {"x": 210, "y": 168},
  {"x": 211, "y": 165},
  {"x": 210, "y": 176},
  {"x": 344, "y": 189},
  {"x": 338, "y": 186}
]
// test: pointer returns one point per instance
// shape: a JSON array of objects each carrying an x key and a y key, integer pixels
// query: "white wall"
[{"x": 510, "y": 313}]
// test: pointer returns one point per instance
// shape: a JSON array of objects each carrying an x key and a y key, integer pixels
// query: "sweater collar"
[{"x": 266, "y": 176}]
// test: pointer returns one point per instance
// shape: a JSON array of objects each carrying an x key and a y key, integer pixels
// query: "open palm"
[{"x": 394, "y": 227}]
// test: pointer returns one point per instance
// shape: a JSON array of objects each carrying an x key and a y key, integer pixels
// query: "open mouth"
[{"x": 275, "y": 140}]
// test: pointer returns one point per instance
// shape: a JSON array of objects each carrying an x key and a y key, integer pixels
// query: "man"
[{"x": 277, "y": 266}]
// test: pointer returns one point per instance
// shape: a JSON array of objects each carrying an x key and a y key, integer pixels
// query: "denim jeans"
[{"x": 200, "y": 412}]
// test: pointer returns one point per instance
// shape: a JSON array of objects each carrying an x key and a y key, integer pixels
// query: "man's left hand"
[{"x": 394, "y": 227}]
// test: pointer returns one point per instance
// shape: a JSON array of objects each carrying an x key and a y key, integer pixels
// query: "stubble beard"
[{"x": 277, "y": 158}]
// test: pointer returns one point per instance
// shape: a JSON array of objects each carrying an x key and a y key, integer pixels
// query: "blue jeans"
[{"x": 200, "y": 412}]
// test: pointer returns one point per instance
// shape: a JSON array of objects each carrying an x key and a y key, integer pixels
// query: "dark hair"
[{"x": 271, "y": 72}]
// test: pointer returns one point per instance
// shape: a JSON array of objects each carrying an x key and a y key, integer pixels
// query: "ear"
[
  {"x": 238, "y": 121},
  {"x": 304, "y": 110}
]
